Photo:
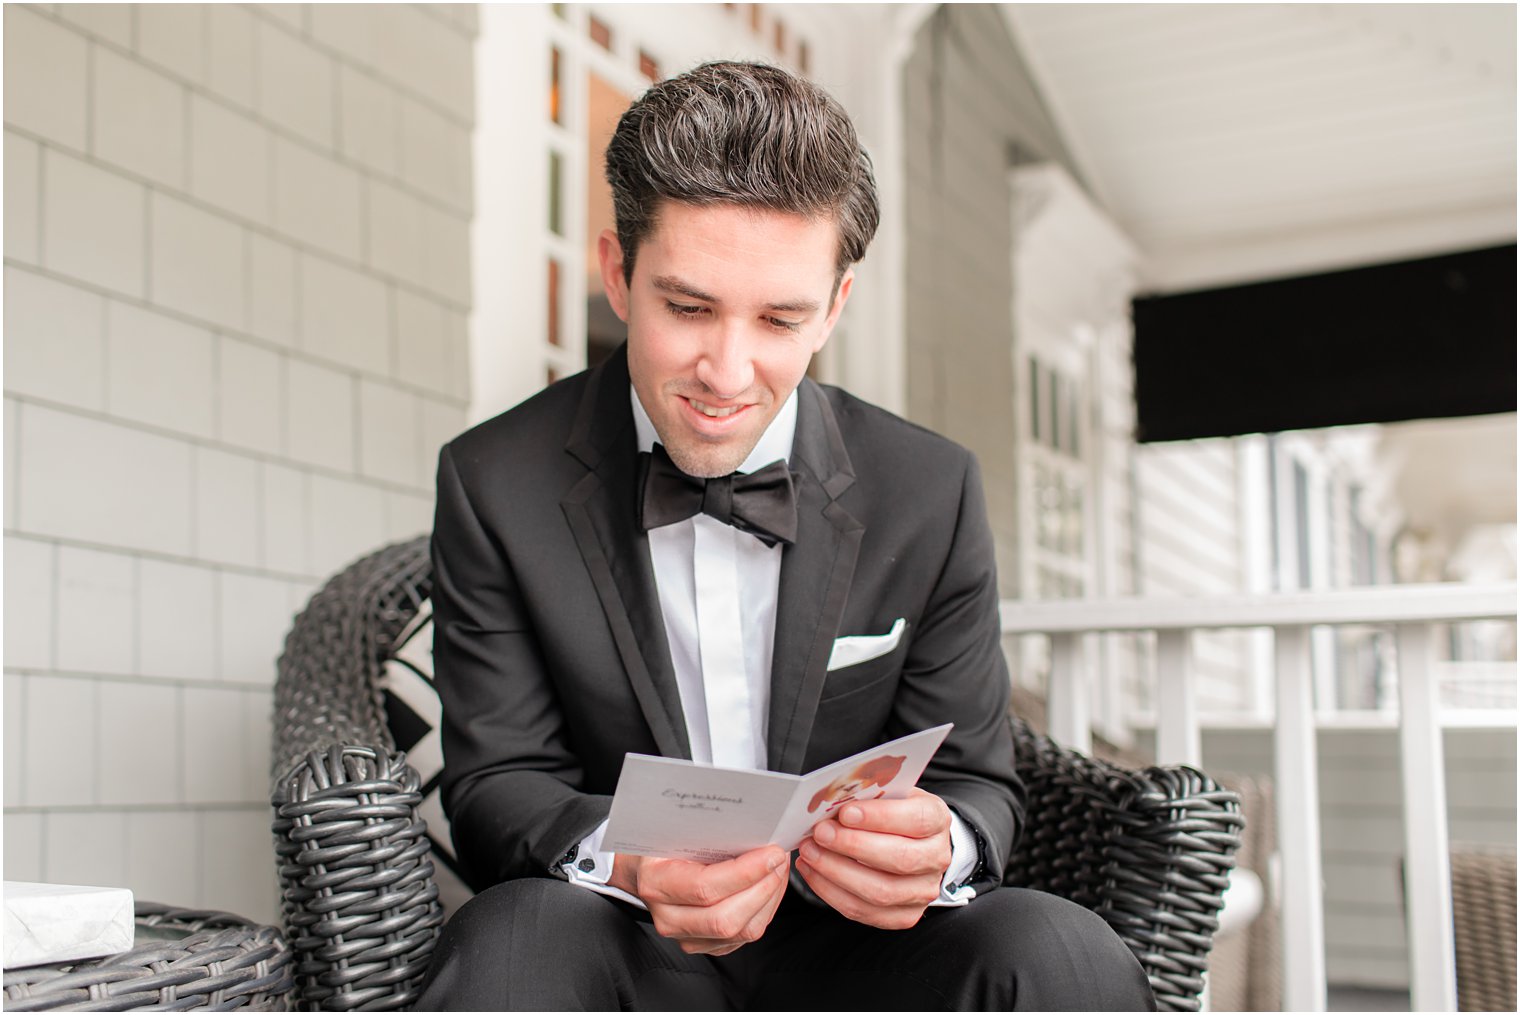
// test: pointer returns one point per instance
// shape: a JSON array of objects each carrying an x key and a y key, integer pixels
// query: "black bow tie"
[{"x": 762, "y": 503}]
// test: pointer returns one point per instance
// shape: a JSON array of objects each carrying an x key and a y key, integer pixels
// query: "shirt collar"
[{"x": 774, "y": 445}]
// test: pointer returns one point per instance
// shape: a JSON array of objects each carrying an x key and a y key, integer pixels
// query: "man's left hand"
[{"x": 880, "y": 862}]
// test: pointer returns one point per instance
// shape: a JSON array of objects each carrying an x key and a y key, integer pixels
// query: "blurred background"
[{"x": 1221, "y": 295}]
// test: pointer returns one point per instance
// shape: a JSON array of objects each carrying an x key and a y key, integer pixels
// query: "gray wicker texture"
[
  {"x": 360, "y": 904},
  {"x": 1483, "y": 911},
  {"x": 328, "y": 687},
  {"x": 213, "y": 961},
  {"x": 1148, "y": 850}
]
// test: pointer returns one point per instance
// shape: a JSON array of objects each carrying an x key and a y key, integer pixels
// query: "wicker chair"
[
  {"x": 1149, "y": 850},
  {"x": 1483, "y": 912},
  {"x": 184, "y": 959}
]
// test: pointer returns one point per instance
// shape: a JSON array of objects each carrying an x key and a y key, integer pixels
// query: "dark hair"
[{"x": 746, "y": 134}]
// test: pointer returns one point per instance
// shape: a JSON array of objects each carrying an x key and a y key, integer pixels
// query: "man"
[{"x": 694, "y": 551}]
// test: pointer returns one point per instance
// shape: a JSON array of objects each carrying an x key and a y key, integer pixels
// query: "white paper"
[
  {"x": 682, "y": 809},
  {"x": 64, "y": 923}
]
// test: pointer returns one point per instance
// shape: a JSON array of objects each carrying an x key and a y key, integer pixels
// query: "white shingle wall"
[{"x": 236, "y": 288}]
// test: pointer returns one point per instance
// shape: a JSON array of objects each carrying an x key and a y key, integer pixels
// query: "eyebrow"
[{"x": 671, "y": 284}]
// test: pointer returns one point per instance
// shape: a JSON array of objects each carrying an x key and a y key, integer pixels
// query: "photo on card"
[{"x": 868, "y": 780}]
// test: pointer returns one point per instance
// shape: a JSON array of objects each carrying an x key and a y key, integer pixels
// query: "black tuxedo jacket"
[{"x": 550, "y": 649}]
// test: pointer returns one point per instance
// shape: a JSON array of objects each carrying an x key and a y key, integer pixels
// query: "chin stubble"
[{"x": 716, "y": 462}]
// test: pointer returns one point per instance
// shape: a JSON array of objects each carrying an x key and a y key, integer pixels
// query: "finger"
[
  {"x": 762, "y": 919},
  {"x": 885, "y": 851},
  {"x": 752, "y": 931},
  {"x": 852, "y": 907},
  {"x": 727, "y": 920},
  {"x": 873, "y": 886},
  {"x": 920, "y": 815},
  {"x": 683, "y": 883}
]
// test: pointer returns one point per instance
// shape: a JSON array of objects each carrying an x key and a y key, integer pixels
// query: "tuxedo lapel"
[
  {"x": 815, "y": 579},
  {"x": 603, "y": 516}
]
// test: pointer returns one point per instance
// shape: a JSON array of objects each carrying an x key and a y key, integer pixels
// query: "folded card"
[{"x": 690, "y": 811}]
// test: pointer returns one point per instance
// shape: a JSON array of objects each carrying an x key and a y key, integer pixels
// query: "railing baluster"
[
  {"x": 1303, "y": 911},
  {"x": 1412, "y": 609},
  {"x": 1427, "y": 863},
  {"x": 1177, "y": 740},
  {"x": 1070, "y": 717}
]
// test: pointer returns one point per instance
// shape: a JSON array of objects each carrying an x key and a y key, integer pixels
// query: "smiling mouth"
[{"x": 712, "y": 411}]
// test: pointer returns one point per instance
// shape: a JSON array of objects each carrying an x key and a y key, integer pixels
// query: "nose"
[{"x": 726, "y": 367}]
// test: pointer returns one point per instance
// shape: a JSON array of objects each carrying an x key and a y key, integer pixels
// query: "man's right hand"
[{"x": 711, "y": 909}]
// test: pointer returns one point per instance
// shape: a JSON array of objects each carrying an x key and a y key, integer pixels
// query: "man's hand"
[
  {"x": 880, "y": 862},
  {"x": 711, "y": 909}
]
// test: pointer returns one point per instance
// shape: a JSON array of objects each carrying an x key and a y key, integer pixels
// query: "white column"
[
  {"x": 1070, "y": 711},
  {"x": 1427, "y": 864},
  {"x": 1177, "y": 740},
  {"x": 872, "y": 360},
  {"x": 509, "y": 277},
  {"x": 1303, "y": 908}
]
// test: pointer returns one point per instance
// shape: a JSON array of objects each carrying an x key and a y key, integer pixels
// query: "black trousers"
[{"x": 541, "y": 945}]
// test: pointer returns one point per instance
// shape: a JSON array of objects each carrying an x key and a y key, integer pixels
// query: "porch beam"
[
  {"x": 1427, "y": 860},
  {"x": 1297, "y": 770}
]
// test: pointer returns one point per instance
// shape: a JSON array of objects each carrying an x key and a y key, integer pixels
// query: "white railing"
[{"x": 1412, "y": 611}]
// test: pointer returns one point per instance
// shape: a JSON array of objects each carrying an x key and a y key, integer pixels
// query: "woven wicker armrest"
[
  {"x": 360, "y": 904},
  {"x": 208, "y": 960},
  {"x": 1150, "y": 851},
  {"x": 356, "y": 880}
]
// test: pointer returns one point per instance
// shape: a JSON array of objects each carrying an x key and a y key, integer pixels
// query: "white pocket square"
[{"x": 859, "y": 648}]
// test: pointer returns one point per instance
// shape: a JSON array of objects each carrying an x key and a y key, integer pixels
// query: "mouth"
[
  {"x": 714, "y": 420},
  {"x": 714, "y": 411}
]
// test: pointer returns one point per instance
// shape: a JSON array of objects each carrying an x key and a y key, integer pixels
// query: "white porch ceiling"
[
  {"x": 1241, "y": 142},
  {"x": 1452, "y": 474}
]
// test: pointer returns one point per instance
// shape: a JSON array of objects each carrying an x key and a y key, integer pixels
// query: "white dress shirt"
[{"x": 718, "y": 589}]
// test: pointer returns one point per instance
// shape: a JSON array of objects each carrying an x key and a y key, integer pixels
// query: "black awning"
[{"x": 1419, "y": 339}]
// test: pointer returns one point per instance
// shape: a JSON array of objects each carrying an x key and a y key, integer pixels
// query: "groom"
[{"x": 696, "y": 552}]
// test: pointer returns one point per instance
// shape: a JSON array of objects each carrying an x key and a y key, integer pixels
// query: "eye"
[
  {"x": 684, "y": 310},
  {"x": 782, "y": 325}
]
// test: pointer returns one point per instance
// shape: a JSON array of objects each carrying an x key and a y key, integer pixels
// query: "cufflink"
[
  {"x": 570, "y": 855},
  {"x": 588, "y": 865}
]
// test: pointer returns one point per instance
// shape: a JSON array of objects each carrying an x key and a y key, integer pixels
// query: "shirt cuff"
[
  {"x": 589, "y": 866},
  {"x": 965, "y": 857}
]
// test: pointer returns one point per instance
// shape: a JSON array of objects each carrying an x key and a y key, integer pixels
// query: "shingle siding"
[
  {"x": 228, "y": 369},
  {"x": 967, "y": 96}
]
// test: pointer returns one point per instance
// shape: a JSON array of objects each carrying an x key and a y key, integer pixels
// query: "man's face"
[{"x": 726, "y": 307}]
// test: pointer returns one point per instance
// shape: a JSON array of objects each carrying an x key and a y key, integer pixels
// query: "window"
[
  {"x": 1301, "y": 523},
  {"x": 1057, "y": 482},
  {"x": 605, "y": 331}
]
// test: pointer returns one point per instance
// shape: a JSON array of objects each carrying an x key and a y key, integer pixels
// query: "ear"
[
  {"x": 610, "y": 253},
  {"x": 846, "y": 284}
]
